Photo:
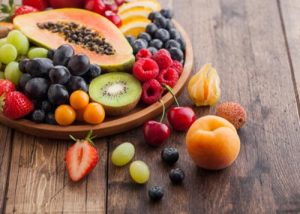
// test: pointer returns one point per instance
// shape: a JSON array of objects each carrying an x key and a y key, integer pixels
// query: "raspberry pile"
[{"x": 155, "y": 70}]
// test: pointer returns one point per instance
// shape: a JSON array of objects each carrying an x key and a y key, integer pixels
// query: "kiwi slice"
[{"x": 118, "y": 92}]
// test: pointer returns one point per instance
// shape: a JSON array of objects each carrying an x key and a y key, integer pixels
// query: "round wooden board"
[{"x": 111, "y": 125}]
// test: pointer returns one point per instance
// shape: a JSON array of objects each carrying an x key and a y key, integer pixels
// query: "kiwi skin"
[{"x": 117, "y": 111}]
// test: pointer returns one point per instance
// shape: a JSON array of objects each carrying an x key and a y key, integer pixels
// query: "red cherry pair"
[{"x": 180, "y": 118}]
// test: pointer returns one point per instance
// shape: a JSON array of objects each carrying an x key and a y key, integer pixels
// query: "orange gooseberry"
[
  {"x": 94, "y": 113},
  {"x": 79, "y": 99},
  {"x": 65, "y": 115}
]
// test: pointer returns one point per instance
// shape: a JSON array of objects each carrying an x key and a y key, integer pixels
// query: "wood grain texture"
[
  {"x": 39, "y": 183},
  {"x": 248, "y": 49},
  {"x": 5, "y": 157}
]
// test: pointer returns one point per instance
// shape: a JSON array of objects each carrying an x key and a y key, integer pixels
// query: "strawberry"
[
  {"x": 24, "y": 10},
  {"x": 38, "y": 4},
  {"x": 81, "y": 158},
  {"x": 6, "y": 86},
  {"x": 16, "y": 105}
]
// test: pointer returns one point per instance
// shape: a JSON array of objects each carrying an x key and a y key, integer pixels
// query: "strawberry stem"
[
  {"x": 172, "y": 92},
  {"x": 164, "y": 111}
]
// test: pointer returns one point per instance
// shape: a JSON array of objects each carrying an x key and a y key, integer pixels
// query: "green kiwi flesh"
[{"x": 117, "y": 92}]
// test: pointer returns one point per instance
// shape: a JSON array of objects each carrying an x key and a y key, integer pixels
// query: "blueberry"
[
  {"x": 151, "y": 28},
  {"x": 152, "y": 50},
  {"x": 170, "y": 155},
  {"x": 46, "y": 106},
  {"x": 38, "y": 116},
  {"x": 22, "y": 65},
  {"x": 174, "y": 34},
  {"x": 139, "y": 44},
  {"x": 167, "y": 13},
  {"x": 156, "y": 193},
  {"x": 92, "y": 73},
  {"x": 182, "y": 43},
  {"x": 156, "y": 43},
  {"x": 172, "y": 44},
  {"x": 36, "y": 88},
  {"x": 145, "y": 36},
  {"x": 130, "y": 39},
  {"x": 39, "y": 67},
  {"x": 154, "y": 15},
  {"x": 50, "y": 118},
  {"x": 50, "y": 54},
  {"x": 62, "y": 55},
  {"x": 23, "y": 80},
  {"x": 79, "y": 64},
  {"x": 59, "y": 74},
  {"x": 161, "y": 22},
  {"x": 177, "y": 176},
  {"x": 176, "y": 54},
  {"x": 77, "y": 83},
  {"x": 162, "y": 34},
  {"x": 170, "y": 25},
  {"x": 58, "y": 94}
]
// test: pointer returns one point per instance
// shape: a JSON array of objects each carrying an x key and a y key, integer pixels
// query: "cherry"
[
  {"x": 156, "y": 133},
  {"x": 180, "y": 118},
  {"x": 113, "y": 17}
]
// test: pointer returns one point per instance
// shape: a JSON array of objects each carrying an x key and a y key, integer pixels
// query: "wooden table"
[{"x": 255, "y": 45}]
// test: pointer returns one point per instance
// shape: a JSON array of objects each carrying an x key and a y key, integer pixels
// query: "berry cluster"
[
  {"x": 154, "y": 71},
  {"x": 48, "y": 82},
  {"x": 161, "y": 33}
]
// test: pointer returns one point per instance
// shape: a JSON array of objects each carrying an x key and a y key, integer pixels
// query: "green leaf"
[{"x": 11, "y": 3}]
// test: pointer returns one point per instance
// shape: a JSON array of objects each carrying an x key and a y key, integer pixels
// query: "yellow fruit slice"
[
  {"x": 136, "y": 12},
  {"x": 135, "y": 26},
  {"x": 151, "y": 4}
]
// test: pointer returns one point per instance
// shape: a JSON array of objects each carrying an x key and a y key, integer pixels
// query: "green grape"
[
  {"x": 8, "y": 53},
  {"x": 17, "y": 39},
  {"x": 139, "y": 172},
  {"x": 123, "y": 154},
  {"x": 3, "y": 42},
  {"x": 13, "y": 73},
  {"x": 2, "y": 77},
  {"x": 37, "y": 53}
]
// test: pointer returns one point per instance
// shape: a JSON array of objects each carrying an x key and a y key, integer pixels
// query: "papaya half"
[{"x": 95, "y": 36}]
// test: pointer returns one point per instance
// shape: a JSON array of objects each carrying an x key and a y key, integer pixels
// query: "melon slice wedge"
[{"x": 123, "y": 58}]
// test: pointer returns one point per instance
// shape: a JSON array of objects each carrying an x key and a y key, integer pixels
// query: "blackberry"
[
  {"x": 170, "y": 155},
  {"x": 156, "y": 193},
  {"x": 46, "y": 106},
  {"x": 167, "y": 13},
  {"x": 38, "y": 116},
  {"x": 145, "y": 36},
  {"x": 50, "y": 118},
  {"x": 156, "y": 43},
  {"x": 177, "y": 176},
  {"x": 162, "y": 34},
  {"x": 151, "y": 29}
]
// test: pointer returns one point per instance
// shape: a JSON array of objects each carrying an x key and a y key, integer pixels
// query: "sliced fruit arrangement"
[{"x": 88, "y": 33}]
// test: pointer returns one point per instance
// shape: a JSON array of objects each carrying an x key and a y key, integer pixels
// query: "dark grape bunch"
[
  {"x": 161, "y": 33},
  {"x": 50, "y": 81}
]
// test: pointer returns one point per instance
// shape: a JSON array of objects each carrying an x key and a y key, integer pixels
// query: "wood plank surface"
[{"x": 246, "y": 41}]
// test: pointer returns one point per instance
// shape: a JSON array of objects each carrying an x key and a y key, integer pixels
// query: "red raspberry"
[
  {"x": 152, "y": 91},
  {"x": 177, "y": 66},
  {"x": 145, "y": 69},
  {"x": 143, "y": 53},
  {"x": 163, "y": 59},
  {"x": 168, "y": 76}
]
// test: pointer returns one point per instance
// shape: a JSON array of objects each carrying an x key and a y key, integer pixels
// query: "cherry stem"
[
  {"x": 164, "y": 111},
  {"x": 172, "y": 92}
]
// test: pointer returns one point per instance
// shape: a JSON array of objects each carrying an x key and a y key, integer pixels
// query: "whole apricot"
[
  {"x": 233, "y": 112},
  {"x": 213, "y": 143}
]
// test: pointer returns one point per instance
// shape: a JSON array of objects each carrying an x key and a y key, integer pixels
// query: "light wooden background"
[{"x": 255, "y": 45}]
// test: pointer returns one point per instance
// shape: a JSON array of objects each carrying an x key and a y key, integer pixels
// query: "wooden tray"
[{"x": 111, "y": 125}]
